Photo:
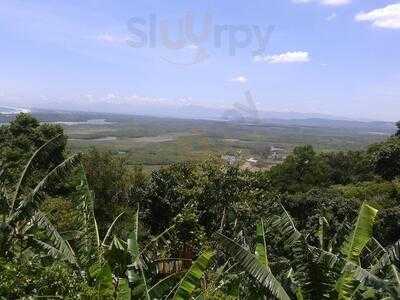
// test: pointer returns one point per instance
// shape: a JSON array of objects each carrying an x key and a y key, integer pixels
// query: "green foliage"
[
  {"x": 251, "y": 264},
  {"x": 385, "y": 158},
  {"x": 300, "y": 172},
  {"x": 361, "y": 234},
  {"x": 261, "y": 245},
  {"x": 387, "y": 229},
  {"x": 21, "y": 138},
  {"x": 23, "y": 220},
  {"x": 352, "y": 249},
  {"x": 60, "y": 212},
  {"x": 192, "y": 279},
  {"x": 347, "y": 167},
  {"x": 34, "y": 277},
  {"x": 111, "y": 181},
  {"x": 101, "y": 274},
  {"x": 75, "y": 232},
  {"x": 382, "y": 194},
  {"x": 398, "y": 128}
]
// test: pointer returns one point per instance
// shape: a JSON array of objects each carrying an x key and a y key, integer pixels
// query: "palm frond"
[
  {"x": 60, "y": 248},
  {"x": 111, "y": 228},
  {"x": 261, "y": 245},
  {"x": 284, "y": 224},
  {"x": 155, "y": 239},
  {"x": 34, "y": 199},
  {"x": 123, "y": 292},
  {"x": 136, "y": 277},
  {"x": 323, "y": 223},
  {"x": 133, "y": 245},
  {"x": 311, "y": 278},
  {"x": 374, "y": 251},
  {"x": 161, "y": 287},
  {"x": 261, "y": 273},
  {"x": 352, "y": 248},
  {"x": 192, "y": 279},
  {"x": 361, "y": 234},
  {"x": 28, "y": 167},
  {"x": 391, "y": 256}
]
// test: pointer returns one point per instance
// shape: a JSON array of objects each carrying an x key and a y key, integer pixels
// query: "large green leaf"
[
  {"x": 312, "y": 279},
  {"x": 361, "y": 234},
  {"x": 284, "y": 225},
  {"x": 123, "y": 291},
  {"x": 59, "y": 247},
  {"x": 307, "y": 273},
  {"x": 249, "y": 262},
  {"x": 110, "y": 229},
  {"x": 192, "y": 279},
  {"x": 133, "y": 245},
  {"x": 388, "y": 266},
  {"x": 102, "y": 275},
  {"x": 352, "y": 248},
  {"x": 136, "y": 277},
  {"x": 88, "y": 242},
  {"x": 323, "y": 223},
  {"x": 33, "y": 200},
  {"x": 261, "y": 245},
  {"x": 48, "y": 146},
  {"x": 162, "y": 287},
  {"x": 390, "y": 256}
]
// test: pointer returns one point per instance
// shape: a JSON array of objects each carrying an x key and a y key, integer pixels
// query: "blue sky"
[{"x": 338, "y": 57}]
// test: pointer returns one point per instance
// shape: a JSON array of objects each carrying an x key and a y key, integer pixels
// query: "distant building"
[
  {"x": 230, "y": 159},
  {"x": 277, "y": 153},
  {"x": 252, "y": 161}
]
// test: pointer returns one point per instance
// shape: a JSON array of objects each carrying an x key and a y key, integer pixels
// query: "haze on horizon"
[{"x": 330, "y": 57}]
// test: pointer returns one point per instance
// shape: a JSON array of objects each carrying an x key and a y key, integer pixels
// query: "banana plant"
[
  {"x": 388, "y": 265},
  {"x": 137, "y": 279},
  {"x": 24, "y": 218},
  {"x": 89, "y": 231},
  {"x": 352, "y": 249},
  {"x": 341, "y": 276},
  {"x": 256, "y": 265},
  {"x": 192, "y": 279}
]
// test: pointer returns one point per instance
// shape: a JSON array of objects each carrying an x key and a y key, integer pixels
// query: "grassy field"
[{"x": 154, "y": 142}]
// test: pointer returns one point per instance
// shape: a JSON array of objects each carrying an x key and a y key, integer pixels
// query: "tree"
[
  {"x": 111, "y": 181},
  {"x": 23, "y": 218},
  {"x": 21, "y": 138},
  {"x": 300, "y": 171},
  {"x": 385, "y": 158},
  {"x": 347, "y": 167},
  {"x": 398, "y": 129}
]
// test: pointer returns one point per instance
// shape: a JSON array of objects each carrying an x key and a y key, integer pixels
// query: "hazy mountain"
[
  {"x": 6, "y": 110},
  {"x": 236, "y": 115}
]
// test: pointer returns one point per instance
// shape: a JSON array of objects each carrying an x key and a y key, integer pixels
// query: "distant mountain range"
[
  {"x": 239, "y": 115},
  {"x": 6, "y": 110}
]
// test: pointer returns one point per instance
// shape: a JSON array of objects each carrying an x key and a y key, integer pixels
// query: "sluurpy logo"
[
  {"x": 243, "y": 112},
  {"x": 183, "y": 33}
]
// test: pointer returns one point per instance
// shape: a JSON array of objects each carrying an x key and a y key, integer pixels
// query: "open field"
[{"x": 154, "y": 142}]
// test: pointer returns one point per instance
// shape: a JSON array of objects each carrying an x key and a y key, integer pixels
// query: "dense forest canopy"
[{"x": 317, "y": 226}]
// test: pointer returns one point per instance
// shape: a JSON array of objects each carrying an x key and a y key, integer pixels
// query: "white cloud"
[
  {"x": 335, "y": 2},
  {"x": 192, "y": 47},
  {"x": 385, "y": 17},
  {"x": 288, "y": 57},
  {"x": 240, "y": 79},
  {"x": 111, "y": 39},
  {"x": 331, "y": 17},
  {"x": 324, "y": 2},
  {"x": 302, "y": 1}
]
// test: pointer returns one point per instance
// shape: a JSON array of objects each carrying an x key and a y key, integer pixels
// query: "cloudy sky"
[{"x": 338, "y": 57}]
